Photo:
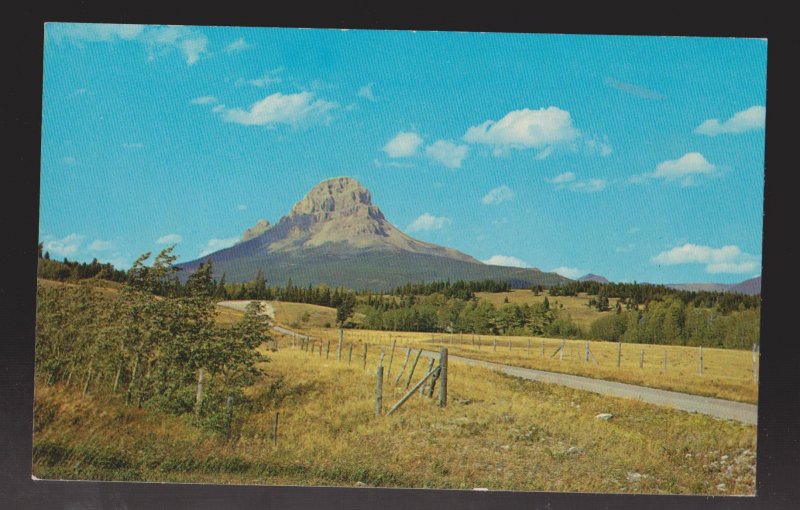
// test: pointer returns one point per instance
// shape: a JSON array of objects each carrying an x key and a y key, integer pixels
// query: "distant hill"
[
  {"x": 750, "y": 287},
  {"x": 335, "y": 235},
  {"x": 593, "y": 278}
]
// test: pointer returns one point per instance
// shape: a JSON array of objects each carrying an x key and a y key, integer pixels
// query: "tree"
[{"x": 345, "y": 309}]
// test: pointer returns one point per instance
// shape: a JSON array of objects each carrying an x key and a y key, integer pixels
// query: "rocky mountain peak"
[
  {"x": 256, "y": 230},
  {"x": 337, "y": 197}
]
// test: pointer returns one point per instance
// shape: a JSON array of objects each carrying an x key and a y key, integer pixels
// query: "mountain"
[
  {"x": 750, "y": 287},
  {"x": 335, "y": 235},
  {"x": 593, "y": 278}
]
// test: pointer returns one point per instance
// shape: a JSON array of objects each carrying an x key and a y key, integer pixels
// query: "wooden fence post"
[
  {"x": 665, "y": 360},
  {"x": 365, "y": 356},
  {"x": 199, "y": 395},
  {"x": 400, "y": 374},
  {"x": 228, "y": 416},
  {"x": 424, "y": 386},
  {"x": 543, "y": 347},
  {"x": 275, "y": 431},
  {"x": 379, "y": 391},
  {"x": 494, "y": 344},
  {"x": 339, "y": 349},
  {"x": 756, "y": 352},
  {"x": 587, "y": 352},
  {"x": 641, "y": 359},
  {"x": 413, "y": 367},
  {"x": 443, "y": 377},
  {"x": 411, "y": 391},
  {"x": 328, "y": 349},
  {"x": 563, "y": 346},
  {"x": 349, "y": 354},
  {"x": 529, "y": 346},
  {"x": 701, "y": 360},
  {"x": 619, "y": 354},
  {"x": 391, "y": 357}
]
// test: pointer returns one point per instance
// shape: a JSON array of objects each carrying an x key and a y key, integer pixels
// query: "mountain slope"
[
  {"x": 335, "y": 235},
  {"x": 750, "y": 287},
  {"x": 593, "y": 278}
]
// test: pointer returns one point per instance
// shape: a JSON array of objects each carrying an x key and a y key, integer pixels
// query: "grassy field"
[
  {"x": 581, "y": 314},
  {"x": 497, "y": 432}
]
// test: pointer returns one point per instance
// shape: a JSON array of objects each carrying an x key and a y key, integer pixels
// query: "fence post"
[
  {"x": 756, "y": 352},
  {"x": 701, "y": 360},
  {"x": 328, "y": 349},
  {"x": 641, "y": 359},
  {"x": 349, "y": 354},
  {"x": 399, "y": 375},
  {"x": 365, "y": 356},
  {"x": 379, "y": 391},
  {"x": 529, "y": 346},
  {"x": 665, "y": 360},
  {"x": 494, "y": 344},
  {"x": 424, "y": 386},
  {"x": 199, "y": 395},
  {"x": 443, "y": 377},
  {"x": 391, "y": 357},
  {"x": 275, "y": 431},
  {"x": 413, "y": 367},
  {"x": 543, "y": 347},
  {"x": 228, "y": 416},
  {"x": 619, "y": 354},
  {"x": 509, "y": 345},
  {"x": 563, "y": 346},
  {"x": 339, "y": 349}
]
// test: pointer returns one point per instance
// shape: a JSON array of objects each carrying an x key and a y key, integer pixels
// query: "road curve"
[{"x": 716, "y": 407}]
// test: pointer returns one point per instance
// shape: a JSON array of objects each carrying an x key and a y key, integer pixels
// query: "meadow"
[{"x": 496, "y": 432}]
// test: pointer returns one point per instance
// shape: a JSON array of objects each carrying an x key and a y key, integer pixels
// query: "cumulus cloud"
[
  {"x": 562, "y": 178},
  {"x": 505, "y": 260},
  {"x": 447, "y": 153},
  {"x": 427, "y": 221},
  {"x": 634, "y": 90},
  {"x": 100, "y": 245},
  {"x": 204, "y": 100},
  {"x": 569, "y": 272},
  {"x": 169, "y": 239},
  {"x": 217, "y": 244},
  {"x": 746, "y": 120},
  {"x": 525, "y": 129},
  {"x": 290, "y": 109},
  {"x": 156, "y": 39},
  {"x": 366, "y": 92},
  {"x": 568, "y": 180},
  {"x": 404, "y": 144},
  {"x": 684, "y": 169},
  {"x": 237, "y": 45},
  {"x": 498, "y": 195},
  {"x": 727, "y": 259},
  {"x": 66, "y": 246}
]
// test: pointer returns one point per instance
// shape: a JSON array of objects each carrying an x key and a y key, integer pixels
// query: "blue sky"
[{"x": 638, "y": 158}]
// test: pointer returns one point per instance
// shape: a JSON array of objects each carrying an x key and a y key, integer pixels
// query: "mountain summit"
[{"x": 335, "y": 235}]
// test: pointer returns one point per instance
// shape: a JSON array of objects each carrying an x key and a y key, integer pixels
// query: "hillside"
[{"x": 335, "y": 235}]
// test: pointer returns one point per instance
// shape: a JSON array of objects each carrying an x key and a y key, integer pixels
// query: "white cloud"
[
  {"x": 204, "y": 100},
  {"x": 366, "y": 92},
  {"x": 746, "y": 120},
  {"x": 684, "y": 169},
  {"x": 569, "y": 272},
  {"x": 525, "y": 129},
  {"x": 727, "y": 259},
  {"x": 447, "y": 153},
  {"x": 562, "y": 178},
  {"x": 237, "y": 45},
  {"x": 428, "y": 221},
  {"x": 404, "y": 144},
  {"x": 156, "y": 39},
  {"x": 498, "y": 195},
  {"x": 241, "y": 207},
  {"x": 100, "y": 245},
  {"x": 66, "y": 246},
  {"x": 169, "y": 239},
  {"x": 217, "y": 244},
  {"x": 590, "y": 186},
  {"x": 600, "y": 146},
  {"x": 277, "y": 108},
  {"x": 505, "y": 260},
  {"x": 270, "y": 77}
]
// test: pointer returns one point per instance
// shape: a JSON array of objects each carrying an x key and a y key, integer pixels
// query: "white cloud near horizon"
[
  {"x": 447, "y": 153},
  {"x": 684, "y": 169},
  {"x": 403, "y": 145},
  {"x": 68, "y": 245},
  {"x": 741, "y": 122},
  {"x": 505, "y": 260},
  {"x": 215, "y": 244},
  {"x": 498, "y": 195},
  {"x": 525, "y": 129},
  {"x": 238, "y": 45},
  {"x": 169, "y": 239},
  {"x": 366, "y": 92},
  {"x": 100, "y": 245},
  {"x": 727, "y": 259},
  {"x": 427, "y": 221},
  {"x": 573, "y": 273},
  {"x": 291, "y": 109}
]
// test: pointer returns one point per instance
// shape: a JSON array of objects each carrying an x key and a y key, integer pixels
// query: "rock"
[
  {"x": 635, "y": 477},
  {"x": 604, "y": 416},
  {"x": 360, "y": 484}
]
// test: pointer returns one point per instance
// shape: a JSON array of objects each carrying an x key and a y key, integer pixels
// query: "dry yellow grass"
[
  {"x": 727, "y": 373},
  {"x": 496, "y": 432}
]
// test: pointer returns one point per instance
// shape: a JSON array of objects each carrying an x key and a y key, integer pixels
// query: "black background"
[{"x": 778, "y": 471}]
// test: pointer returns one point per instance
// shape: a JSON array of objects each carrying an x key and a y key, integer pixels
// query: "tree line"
[
  {"x": 68, "y": 270},
  {"x": 148, "y": 346}
]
